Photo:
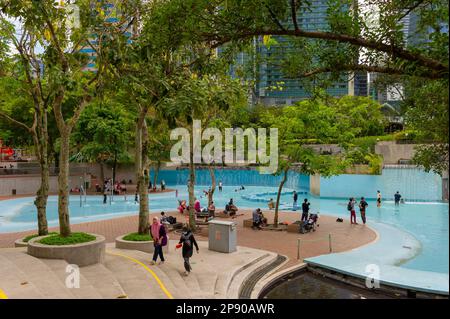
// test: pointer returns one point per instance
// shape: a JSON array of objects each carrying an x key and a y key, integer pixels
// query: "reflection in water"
[{"x": 310, "y": 286}]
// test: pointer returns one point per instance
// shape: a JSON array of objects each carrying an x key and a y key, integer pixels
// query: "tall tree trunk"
[
  {"x": 63, "y": 186},
  {"x": 191, "y": 189},
  {"x": 41, "y": 141},
  {"x": 213, "y": 185},
  {"x": 280, "y": 188},
  {"x": 141, "y": 171}
]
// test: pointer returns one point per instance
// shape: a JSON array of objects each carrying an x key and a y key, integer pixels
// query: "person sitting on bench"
[{"x": 230, "y": 208}]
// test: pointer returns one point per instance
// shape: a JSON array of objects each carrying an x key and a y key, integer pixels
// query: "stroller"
[{"x": 310, "y": 224}]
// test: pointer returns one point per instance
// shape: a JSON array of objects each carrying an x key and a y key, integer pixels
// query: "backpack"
[{"x": 339, "y": 220}]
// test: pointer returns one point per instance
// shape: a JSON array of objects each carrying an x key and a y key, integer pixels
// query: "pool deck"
[{"x": 392, "y": 248}]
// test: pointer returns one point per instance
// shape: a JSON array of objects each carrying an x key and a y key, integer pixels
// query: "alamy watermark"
[
  {"x": 373, "y": 276},
  {"x": 73, "y": 13},
  {"x": 225, "y": 150},
  {"x": 73, "y": 278}
]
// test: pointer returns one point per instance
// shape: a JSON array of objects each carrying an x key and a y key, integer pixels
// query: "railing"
[{"x": 314, "y": 240}]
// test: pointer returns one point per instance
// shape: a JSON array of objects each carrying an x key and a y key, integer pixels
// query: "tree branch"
[
  {"x": 395, "y": 51},
  {"x": 275, "y": 19},
  {"x": 294, "y": 14},
  {"x": 23, "y": 125}
]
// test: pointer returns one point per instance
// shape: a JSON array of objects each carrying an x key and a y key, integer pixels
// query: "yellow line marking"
[
  {"x": 161, "y": 285},
  {"x": 3, "y": 295}
]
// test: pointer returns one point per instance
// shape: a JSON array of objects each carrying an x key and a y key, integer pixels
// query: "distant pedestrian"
[
  {"x": 351, "y": 209},
  {"x": 362, "y": 208},
  {"x": 397, "y": 198},
  {"x": 158, "y": 233},
  {"x": 163, "y": 185},
  {"x": 271, "y": 204},
  {"x": 187, "y": 241},
  {"x": 305, "y": 210},
  {"x": 295, "y": 200},
  {"x": 378, "y": 199},
  {"x": 220, "y": 186}
]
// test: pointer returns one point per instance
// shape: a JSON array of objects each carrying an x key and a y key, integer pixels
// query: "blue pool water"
[{"x": 427, "y": 221}]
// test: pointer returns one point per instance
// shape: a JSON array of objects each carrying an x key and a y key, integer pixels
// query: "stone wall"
[
  {"x": 29, "y": 184},
  {"x": 393, "y": 152}
]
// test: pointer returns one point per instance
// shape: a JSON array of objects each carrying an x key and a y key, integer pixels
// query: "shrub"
[
  {"x": 74, "y": 238},
  {"x": 30, "y": 237},
  {"x": 138, "y": 237}
]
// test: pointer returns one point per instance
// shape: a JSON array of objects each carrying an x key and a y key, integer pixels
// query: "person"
[
  {"x": 378, "y": 199},
  {"x": 159, "y": 235},
  {"x": 98, "y": 189},
  {"x": 105, "y": 192},
  {"x": 231, "y": 208},
  {"x": 271, "y": 204},
  {"x": 164, "y": 219},
  {"x": 397, "y": 198},
  {"x": 295, "y": 200},
  {"x": 242, "y": 188},
  {"x": 187, "y": 240},
  {"x": 150, "y": 185},
  {"x": 305, "y": 210},
  {"x": 158, "y": 232},
  {"x": 197, "y": 206},
  {"x": 220, "y": 186},
  {"x": 182, "y": 207},
  {"x": 351, "y": 209},
  {"x": 163, "y": 185},
  {"x": 136, "y": 198},
  {"x": 362, "y": 208},
  {"x": 262, "y": 219},
  {"x": 211, "y": 209},
  {"x": 256, "y": 216}
]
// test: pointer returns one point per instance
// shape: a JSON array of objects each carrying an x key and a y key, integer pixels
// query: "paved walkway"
[{"x": 344, "y": 236}]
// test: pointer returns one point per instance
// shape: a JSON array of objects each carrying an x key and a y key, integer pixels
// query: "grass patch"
[
  {"x": 28, "y": 238},
  {"x": 137, "y": 237},
  {"x": 74, "y": 238}
]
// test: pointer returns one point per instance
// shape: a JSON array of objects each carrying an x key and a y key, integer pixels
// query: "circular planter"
[
  {"x": 20, "y": 243},
  {"x": 83, "y": 254},
  {"x": 145, "y": 246}
]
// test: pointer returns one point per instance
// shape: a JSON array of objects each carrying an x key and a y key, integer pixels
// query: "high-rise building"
[
  {"x": 272, "y": 87},
  {"x": 111, "y": 15}
]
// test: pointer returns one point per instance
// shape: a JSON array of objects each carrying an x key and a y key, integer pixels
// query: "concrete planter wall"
[
  {"x": 145, "y": 246},
  {"x": 20, "y": 243},
  {"x": 84, "y": 254}
]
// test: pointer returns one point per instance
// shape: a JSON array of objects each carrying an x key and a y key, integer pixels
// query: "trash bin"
[{"x": 222, "y": 236}]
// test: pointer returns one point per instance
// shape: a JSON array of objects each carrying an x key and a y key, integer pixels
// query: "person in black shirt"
[
  {"x": 305, "y": 210},
  {"x": 397, "y": 197},
  {"x": 362, "y": 208}
]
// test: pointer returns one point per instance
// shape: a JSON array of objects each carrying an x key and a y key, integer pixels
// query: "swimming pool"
[{"x": 427, "y": 222}]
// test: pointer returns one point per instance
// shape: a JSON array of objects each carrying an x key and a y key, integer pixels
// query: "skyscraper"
[{"x": 274, "y": 88}]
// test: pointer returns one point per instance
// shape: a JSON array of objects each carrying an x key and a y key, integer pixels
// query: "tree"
[
  {"x": 320, "y": 120},
  {"x": 25, "y": 76},
  {"x": 103, "y": 134},
  {"x": 70, "y": 88}
]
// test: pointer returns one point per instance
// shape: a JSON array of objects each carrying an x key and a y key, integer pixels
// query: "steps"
[{"x": 128, "y": 274}]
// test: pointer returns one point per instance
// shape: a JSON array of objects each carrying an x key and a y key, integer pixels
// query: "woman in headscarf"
[
  {"x": 158, "y": 232},
  {"x": 188, "y": 241}
]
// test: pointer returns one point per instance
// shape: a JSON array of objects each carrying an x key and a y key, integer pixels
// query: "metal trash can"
[{"x": 222, "y": 236}]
